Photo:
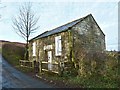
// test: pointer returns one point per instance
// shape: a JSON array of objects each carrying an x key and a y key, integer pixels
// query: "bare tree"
[{"x": 25, "y": 23}]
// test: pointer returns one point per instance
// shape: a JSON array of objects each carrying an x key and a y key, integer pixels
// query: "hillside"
[
  {"x": 2, "y": 42},
  {"x": 12, "y": 51}
]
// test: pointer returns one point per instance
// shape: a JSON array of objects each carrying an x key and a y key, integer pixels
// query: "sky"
[{"x": 54, "y": 13}]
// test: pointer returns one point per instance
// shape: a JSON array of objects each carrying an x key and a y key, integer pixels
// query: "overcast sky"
[{"x": 54, "y": 14}]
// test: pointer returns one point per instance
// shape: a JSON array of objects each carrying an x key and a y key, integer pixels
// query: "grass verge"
[{"x": 80, "y": 82}]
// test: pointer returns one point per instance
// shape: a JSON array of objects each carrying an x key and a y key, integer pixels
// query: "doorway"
[{"x": 49, "y": 60}]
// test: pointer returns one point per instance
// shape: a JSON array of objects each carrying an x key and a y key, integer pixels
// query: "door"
[{"x": 49, "y": 60}]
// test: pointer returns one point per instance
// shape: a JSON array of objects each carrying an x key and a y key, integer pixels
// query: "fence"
[{"x": 25, "y": 63}]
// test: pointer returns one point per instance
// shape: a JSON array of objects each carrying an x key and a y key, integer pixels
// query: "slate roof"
[{"x": 60, "y": 29}]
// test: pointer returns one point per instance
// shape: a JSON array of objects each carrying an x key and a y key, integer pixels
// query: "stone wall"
[
  {"x": 41, "y": 54},
  {"x": 88, "y": 40}
]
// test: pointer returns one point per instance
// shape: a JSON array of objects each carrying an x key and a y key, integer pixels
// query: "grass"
[
  {"x": 13, "y": 53},
  {"x": 25, "y": 69},
  {"x": 93, "y": 82},
  {"x": 81, "y": 82}
]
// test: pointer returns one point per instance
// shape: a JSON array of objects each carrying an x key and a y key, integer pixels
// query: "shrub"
[
  {"x": 111, "y": 68},
  {"x": 92, "y": 63},
  {"x": 100, "y": 68}
]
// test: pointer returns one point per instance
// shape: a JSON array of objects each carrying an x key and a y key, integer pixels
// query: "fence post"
[{"x": 40, "y": 66}]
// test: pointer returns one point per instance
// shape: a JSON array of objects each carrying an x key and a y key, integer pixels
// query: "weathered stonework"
[
  {"x": 84, "y": 35},
  {"x": 41, "y": 54}
]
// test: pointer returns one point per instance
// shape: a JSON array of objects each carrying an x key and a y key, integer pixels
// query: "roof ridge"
[
  {"x": 72, "y": 21},
  {"x": 60, "y": 28}
]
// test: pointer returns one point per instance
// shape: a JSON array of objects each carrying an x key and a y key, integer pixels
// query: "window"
[
  {"x": 34, "y": 49},
  {"x": 58, "y": 46}
]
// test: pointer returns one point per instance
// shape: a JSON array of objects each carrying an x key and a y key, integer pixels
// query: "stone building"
[{"x": 55, "y": 49}]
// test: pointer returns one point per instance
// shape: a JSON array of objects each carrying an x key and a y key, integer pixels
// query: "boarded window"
[
  {"x": 58, "y": 46},
  {"x": 34, "y": 49}
]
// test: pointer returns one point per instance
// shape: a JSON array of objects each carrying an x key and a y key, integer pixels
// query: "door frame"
[{"x": 49, "y": 60}]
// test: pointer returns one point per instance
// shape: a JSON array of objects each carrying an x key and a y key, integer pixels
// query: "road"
[{"x": 12, "y": 78}]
